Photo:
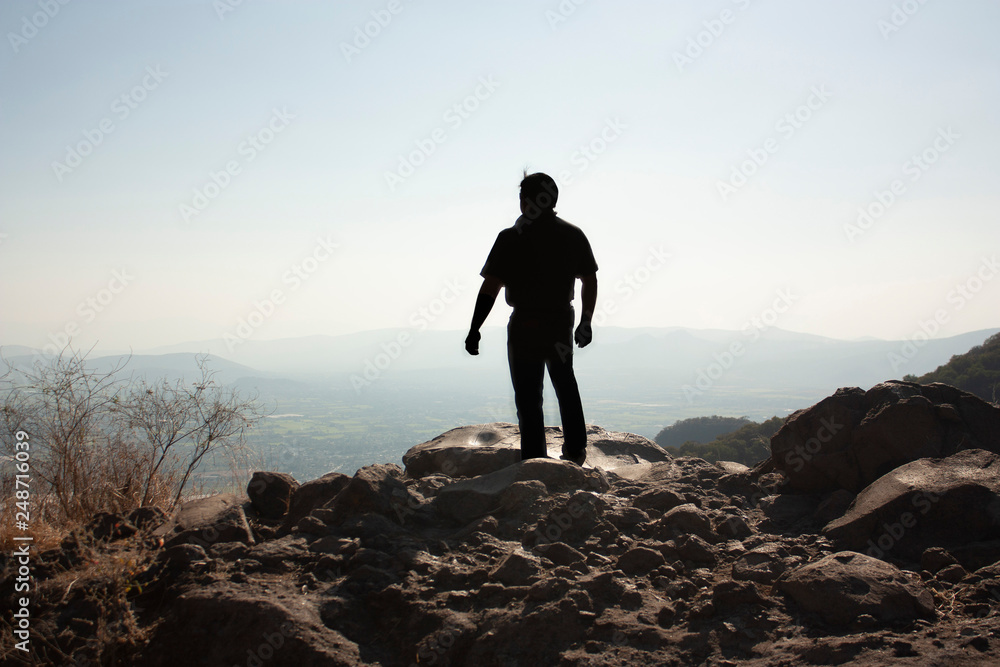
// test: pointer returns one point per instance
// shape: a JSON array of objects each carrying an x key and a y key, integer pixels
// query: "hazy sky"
[{"x": 169, "y": 168}]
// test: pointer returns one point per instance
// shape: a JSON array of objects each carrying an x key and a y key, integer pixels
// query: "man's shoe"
[{"x": 575, "y": 458}]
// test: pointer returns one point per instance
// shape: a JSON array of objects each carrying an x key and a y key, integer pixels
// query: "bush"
[{"x": 101, "y": 442}]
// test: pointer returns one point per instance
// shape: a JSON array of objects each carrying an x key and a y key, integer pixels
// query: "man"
[{"x": 538, "y": 261}]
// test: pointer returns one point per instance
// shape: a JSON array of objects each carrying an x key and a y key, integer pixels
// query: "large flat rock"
[{"x": 470, "y": 451}]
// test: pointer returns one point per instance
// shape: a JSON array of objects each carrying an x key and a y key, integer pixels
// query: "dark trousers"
[{"x": 536, "y": 341}]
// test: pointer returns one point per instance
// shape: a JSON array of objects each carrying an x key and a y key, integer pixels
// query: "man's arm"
[
  {"x": 484, "y": 304},
  {"x": 588, "y": 294}
]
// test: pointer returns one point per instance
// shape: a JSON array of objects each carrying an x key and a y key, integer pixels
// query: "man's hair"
[{"x": 541, "y": 189}]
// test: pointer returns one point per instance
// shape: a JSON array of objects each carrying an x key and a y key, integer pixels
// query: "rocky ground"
[{"x": 870, "y": 537}]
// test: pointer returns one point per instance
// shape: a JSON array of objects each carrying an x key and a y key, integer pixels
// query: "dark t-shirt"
[{"x": 539, "y": 263}]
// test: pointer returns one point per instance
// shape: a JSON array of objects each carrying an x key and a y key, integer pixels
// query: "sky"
[{"x": 178, "y": 171}]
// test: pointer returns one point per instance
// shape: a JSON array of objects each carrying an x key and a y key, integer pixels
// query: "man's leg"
[
  {"x": 527, "y": 371},
  {"x": 560, "y": 364},
  {"x": 570, "y": 404}
]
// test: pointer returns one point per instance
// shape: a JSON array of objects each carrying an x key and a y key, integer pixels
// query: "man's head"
[{"x": 538, "y": 195}]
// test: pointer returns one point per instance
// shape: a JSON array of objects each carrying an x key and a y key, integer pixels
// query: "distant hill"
[
  {"x": 977, "y": 371},
  {"x": 750, "y": 444},
  {"x": 168, "y": 366},
  {"x": 698, "y": 429},
  {"x": 677, "y": 357}
]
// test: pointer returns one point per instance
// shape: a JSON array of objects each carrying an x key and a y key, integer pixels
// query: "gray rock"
[{"x": 843, "y": 586}]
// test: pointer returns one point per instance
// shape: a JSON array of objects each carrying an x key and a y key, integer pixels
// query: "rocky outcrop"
[
  {"x": 952, "y": 502},
  {"x": 852, "y": 438},
  {"x": 470, "y": 558}
]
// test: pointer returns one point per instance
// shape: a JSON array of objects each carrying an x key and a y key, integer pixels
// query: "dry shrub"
[{"x": 100, "y": 442}]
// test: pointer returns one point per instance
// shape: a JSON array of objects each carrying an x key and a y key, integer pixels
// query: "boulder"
[
  {"x": 516, "y": 569},
  {"x": 683, "y": 520},
  {"x": 469, "y": 499},
  {"x": 852, "y": 438},
  {"x": 376, "y": 489},
  {"x": 207, "y": 521},
  {"x": 845, "y": 585},
  {"x": 270, "y": 493},
  {"x": 927, "y": 503},
  {"x": 313, "y": 494},
  {"x": 639, "y": 561},
  {"x": 471, "y": 451}
]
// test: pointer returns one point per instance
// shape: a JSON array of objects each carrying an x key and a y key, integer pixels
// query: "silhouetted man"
[{"x": 538, "y": 260}]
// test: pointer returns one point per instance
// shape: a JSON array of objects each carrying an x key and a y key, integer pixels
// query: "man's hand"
[
  {"x": 472, "y": 342},
  {"x": 584, "y": 334}
]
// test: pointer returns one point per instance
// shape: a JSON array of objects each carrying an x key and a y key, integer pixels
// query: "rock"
[
  {"x": 639, "y": 561},
  {"x": 788, "y": 509},
  {"x": 516, "y": 569},
  {"x": 952, "y": 573},
  {"x": 281, "y": 553},
  {"x": 182, "y": 556},
  {"x": 270, "y": 493},
  {"x": 733, "y": 526},
  {"x": 833, "y": 506},
  {"x": 472, "y": 451},
  {"x": 226, "y": 624},
  {"x": 695, "y": 549},
  {"x": 729, "y": 594},
  {"x": 206, "y": 521},
  {"x": 923, "y": 504},
  {"x": 852, "y": 438},
  {"x": 732, "y": 467},
  {"x": 376, "y": 489},
  {"x": 975, "y": 555},
  {"x": 845, "y": 585},
  {"x": 467, "y": 451},
  {"x": 659, "y": 499},
  {"x": 764, "y": 564},
  {"x": 684, "y": 519},
  {"x": 936, "y": 558},
  {"x": 313, "y": 494},
  {"x": 575, "y": 520},
  {"x": 560, "y": 553},
  {"x": 471, "y": 498}
]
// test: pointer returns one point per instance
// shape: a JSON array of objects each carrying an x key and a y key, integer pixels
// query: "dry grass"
[{"x": 102, "y": 628}]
